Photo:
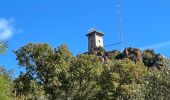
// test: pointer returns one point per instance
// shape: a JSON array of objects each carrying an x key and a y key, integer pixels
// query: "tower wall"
[
  {"x": 91, "y": 42},
  {"x": 95, "y": 39},
  {"x": 99, "y": 41}
]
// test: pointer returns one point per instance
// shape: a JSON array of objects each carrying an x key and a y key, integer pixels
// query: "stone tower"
[{"x": 95, "y": 39}]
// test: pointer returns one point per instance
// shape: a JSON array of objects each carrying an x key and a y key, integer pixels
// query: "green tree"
[
  {"x": 46, "y": 65},
  {"x": 26, "y": 88},
  {"x": 122, "y": 81},
  {"x": 157, "y": 85},
  {"x": 5, "y": 82},
  {"x": 62, "y": 75},
  {"x": 5, "y": 85},
  {"x": 85, "y": 74},
  {"x": 3, "y": 46}
]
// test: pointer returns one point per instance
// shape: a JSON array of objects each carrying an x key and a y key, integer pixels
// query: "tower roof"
[{"x": 92, "y": 32}]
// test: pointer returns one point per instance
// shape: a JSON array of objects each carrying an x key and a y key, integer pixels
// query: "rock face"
[
  {"x": 153, "y": 61},
  {"x": 148, "y": 57},
  {"x": 159, "y": 62},
  {"x": 133, "y": 53}
]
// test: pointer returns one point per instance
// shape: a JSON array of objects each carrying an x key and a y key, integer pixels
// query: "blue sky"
[{"x": 145, "y": 24}]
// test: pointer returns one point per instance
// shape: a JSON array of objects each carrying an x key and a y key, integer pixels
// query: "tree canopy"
[{"x": 58, "y": 74}]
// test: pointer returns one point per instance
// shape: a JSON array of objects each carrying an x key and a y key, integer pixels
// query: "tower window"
[
  {"x": 99, "y": 41},
  {"x": 91, "y": 41}
]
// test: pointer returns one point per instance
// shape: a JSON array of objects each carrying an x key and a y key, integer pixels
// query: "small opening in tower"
[{"x": 91, "y": 41}]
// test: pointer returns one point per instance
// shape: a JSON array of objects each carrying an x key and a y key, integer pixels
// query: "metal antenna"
[
  {"x": 119, "y": 7},
  {"x": 120, "y": 22}
]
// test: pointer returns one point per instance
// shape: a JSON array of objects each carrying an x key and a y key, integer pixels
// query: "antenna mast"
[
  {"x": 119, "y": 5},
  {"x": 119, "y": 11}
]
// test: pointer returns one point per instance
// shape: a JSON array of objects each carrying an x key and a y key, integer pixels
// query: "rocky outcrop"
[
  {"x": 133, "y": 53},
  {"x": 148, "y": 57},
  {"x": 159, "y": 61}
]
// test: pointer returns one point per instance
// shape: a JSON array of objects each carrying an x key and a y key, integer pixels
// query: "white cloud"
[
  {"x": 157, "y": 46},
  {"x": 6, "y": 29}
]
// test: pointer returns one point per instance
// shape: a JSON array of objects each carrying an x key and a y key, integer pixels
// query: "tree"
[
  {"x": 85, "y": 74},
  {"x": 46, "y": 65},
  {"x": 122, "y": 81},
  {"x": 5, "y": 82},
  {"x": 5, "y": 85},
  {"x": 25, "y": 87},
  {"x": 63, "y": 76},
  {"x": 3, "y": 46},
  {"x": 157, "y": 85}
]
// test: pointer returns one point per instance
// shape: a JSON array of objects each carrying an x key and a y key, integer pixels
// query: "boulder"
[{"x": 133, "y": 53}]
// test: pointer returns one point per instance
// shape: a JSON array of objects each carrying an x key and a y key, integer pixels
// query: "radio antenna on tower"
[{"x": 119, "y": 11}]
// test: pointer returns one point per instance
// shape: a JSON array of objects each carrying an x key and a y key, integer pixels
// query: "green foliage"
[
  {"x": 60, "y": 72},
  {"x": 85, "y": 73},
  {"x": 115, "y": 54},
  {"x": 5, "y": 82},
  {"x": 35, "y": 57},
  {"x": 58, "y": 83},
  {"x": 44, "y": 64},
  {"x": 5, "y": 85},
  {"x": 3, "y": 46},
  {"x": 122, "y": 80},
  {"x": 60, "y": 75},
  {"x": 157, "y": 85},
  {"x": 24, "y": 87}
]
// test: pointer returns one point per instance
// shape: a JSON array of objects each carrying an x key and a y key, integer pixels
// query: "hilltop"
[{"x": 150, "y": 59}]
